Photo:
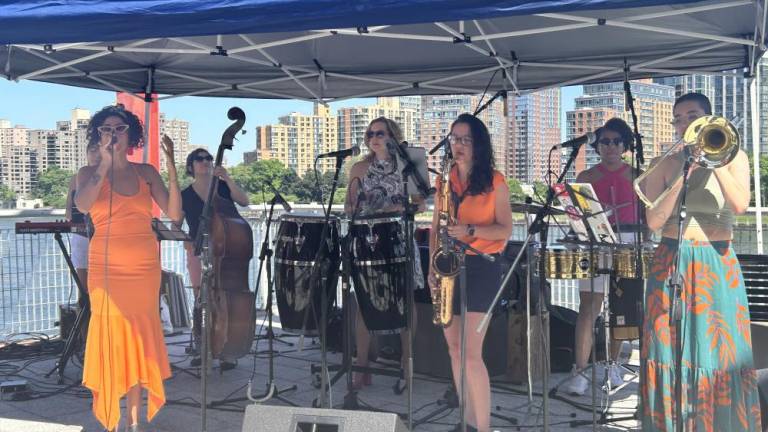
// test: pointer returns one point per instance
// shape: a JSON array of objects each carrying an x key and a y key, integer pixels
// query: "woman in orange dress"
[{"x": 125, "y": 349}]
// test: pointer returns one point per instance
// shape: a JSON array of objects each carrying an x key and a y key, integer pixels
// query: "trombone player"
[{"x": 718, "y": 378}]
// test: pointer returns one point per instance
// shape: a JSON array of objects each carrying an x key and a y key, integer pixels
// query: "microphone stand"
[
  {"x": 202, "y": 249},
  {"x": 324, "y": 387},
  {"x": 675, "y": 282},
  {"x": 266, "y": 255},
  {"x": 538, "y": 226},
  {"x": 409, "y": 211}
]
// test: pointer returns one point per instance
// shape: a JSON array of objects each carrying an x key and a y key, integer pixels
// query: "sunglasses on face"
[
  {"x": 609, "y": 141},
  {"x": 200, "y": 158},
  {"x": 378, "y": 134},
  {"x": 112, "y": 129}
]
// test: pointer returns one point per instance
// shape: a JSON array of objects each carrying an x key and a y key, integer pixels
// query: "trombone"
[{"x": 710, "y": 141}]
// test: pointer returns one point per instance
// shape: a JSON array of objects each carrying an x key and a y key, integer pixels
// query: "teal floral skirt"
[{"x": 719, "y": 380}]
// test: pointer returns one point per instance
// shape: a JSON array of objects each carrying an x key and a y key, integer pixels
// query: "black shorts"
[{"x": 483, "y": 281}]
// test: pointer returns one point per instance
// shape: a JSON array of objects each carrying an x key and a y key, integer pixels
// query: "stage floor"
[{"x": 69, "y": 410}]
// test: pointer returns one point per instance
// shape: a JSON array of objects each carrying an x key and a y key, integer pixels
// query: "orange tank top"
[{"x": 477, "y": 210}]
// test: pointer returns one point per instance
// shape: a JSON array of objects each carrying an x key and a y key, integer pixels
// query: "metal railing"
[{"x": 34, "y": 278}]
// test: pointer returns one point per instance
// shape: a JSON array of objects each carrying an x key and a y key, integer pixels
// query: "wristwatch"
[{"x": 471, "y": 230}]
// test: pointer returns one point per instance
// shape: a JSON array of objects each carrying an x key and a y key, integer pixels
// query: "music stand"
[{"x": 173, "y": 233}]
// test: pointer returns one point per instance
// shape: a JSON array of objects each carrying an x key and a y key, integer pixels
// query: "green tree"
[
  {"x": 540, "y": 190},
  {"x": 516, "y": 193},
  {"x": 254, "y": 177},
  {"x": 6, "y": 193},
  {"x": 183, "y": 179},
  {"x": 52, "y": 187},
  {"x": 763, "y": 179}
]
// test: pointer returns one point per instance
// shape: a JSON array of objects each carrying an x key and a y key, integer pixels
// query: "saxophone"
[{"x": 444, "y": 263}]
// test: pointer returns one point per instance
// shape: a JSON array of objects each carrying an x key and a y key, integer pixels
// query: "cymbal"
[{"x": 533, "y": 208}]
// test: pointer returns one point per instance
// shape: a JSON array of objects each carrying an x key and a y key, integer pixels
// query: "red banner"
[{"x": 138, "y": 106}]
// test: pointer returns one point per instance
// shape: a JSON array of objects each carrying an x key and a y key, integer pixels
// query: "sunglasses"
[
  {"x": 112, "y": 129},
  {"x": 378, "y": 134},
  {"x": 203, "y": 158},
  {"x": 609, "y": 141}
]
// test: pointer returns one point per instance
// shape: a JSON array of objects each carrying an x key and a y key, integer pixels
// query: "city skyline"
[{"x": 20, "y": 105}]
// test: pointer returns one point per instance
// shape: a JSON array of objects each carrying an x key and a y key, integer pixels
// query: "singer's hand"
[
  {"x": 167, "y": 146},
  {"x": 106, "y": 149}
]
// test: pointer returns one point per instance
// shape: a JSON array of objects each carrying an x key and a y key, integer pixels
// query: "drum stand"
[
  {"x": 605, "y": 313},
  {"x": 347, "y": 366},
  {"x": 266, "y": 255}
]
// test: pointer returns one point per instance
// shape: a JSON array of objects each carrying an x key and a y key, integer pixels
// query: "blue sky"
[{"x": 40, "y": 105}]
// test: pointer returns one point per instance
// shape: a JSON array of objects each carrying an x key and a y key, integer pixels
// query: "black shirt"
[{"x": 193, "y": 205}]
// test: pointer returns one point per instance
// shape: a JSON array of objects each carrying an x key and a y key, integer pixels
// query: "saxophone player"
[{"x": 483, "y": 219}]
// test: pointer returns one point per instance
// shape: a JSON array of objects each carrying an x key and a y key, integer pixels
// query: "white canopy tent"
[{"x": 385, "y": 49}]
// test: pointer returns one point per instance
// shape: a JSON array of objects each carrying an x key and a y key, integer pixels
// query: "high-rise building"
[
  {"x": 762, "y": 104},
  {"x": 732, "y": 102},
  {"x": 729, "y": 96},
  {"x": 704, "y": 84},
  {"x": 438, "y": 112},
  {"x": 68, "y": 150},
  {"x": 298, "y": 138},
  {"x": 600, "y": 102},
  {"x": 533, "y": 128},
  {"x": 19, "y": 162},
  {"x": 178, "y": 131},
  {"x": 353, "y": 121}
]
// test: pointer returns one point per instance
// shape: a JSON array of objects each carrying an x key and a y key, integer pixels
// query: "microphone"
[
  {"x": 589, "y": 137},
  {"x": 393, "y": 147},
  {"x": 352, "y": 151},
  {"x": 279, "y": 198}
]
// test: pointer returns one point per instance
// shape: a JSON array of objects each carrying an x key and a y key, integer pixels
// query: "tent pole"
[
  {"x": 147, "y": 115},
  {"x": 756, "y": 122}
]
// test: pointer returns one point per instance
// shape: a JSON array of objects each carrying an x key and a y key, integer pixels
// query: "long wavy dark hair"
[
  {"x": 483, "y": 165},
  {"x": 135, "y": 129}
]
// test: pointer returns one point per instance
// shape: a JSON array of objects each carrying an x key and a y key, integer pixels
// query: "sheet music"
[{"x": 582, "y": 201}]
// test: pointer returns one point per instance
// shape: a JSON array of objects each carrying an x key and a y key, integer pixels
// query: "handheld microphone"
[
  {"x": 589, "y": 137},
  {"x": 352, "y": 151},
  {"x": 278, "y": 199}
]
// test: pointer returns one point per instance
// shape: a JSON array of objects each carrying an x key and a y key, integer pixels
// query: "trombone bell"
[{"x": 711, "y": 141}]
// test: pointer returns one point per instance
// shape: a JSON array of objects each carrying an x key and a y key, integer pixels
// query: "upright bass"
[{"x": 230, "y": 241}]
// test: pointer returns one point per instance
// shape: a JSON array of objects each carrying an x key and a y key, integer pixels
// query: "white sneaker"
[
  {"x": 577, "y": 385},
  {"x": 614, "y": 375}
]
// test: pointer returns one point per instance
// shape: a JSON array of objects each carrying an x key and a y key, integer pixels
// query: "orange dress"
[{"x": 125, "y": 338}]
